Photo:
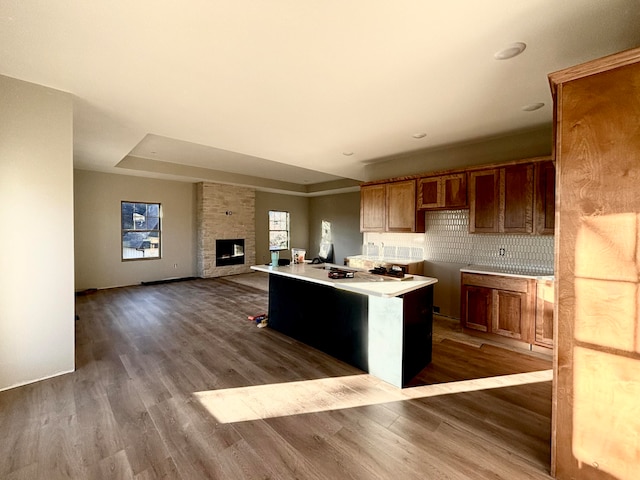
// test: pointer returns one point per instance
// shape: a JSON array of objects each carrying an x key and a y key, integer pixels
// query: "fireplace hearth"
[{"x": 229, "y": 252}]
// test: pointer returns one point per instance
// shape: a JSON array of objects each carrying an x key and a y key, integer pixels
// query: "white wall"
[
  {"x": 97, "y": 229},
  {"x": 36, "y": 214}
]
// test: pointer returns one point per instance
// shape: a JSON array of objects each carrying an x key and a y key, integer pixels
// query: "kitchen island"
[{"x": 380, "y": 325}]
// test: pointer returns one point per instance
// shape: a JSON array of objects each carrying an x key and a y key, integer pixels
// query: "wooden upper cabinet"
[
  {"x": 516, "y": 199},
  {"x": 401, "y": 212},
  {"x": 484, "y": 201},
  {"x": 390, "y": 207},
  {"x": 444, "y": 191},
  {"x": 372, "y": 208},
  {"x": 545, "y": 207},
  {"x": 501, "y": 200}
]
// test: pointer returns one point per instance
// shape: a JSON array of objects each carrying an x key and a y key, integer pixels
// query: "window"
[
  {"x": 140, "y": 230},
  {"x": 325, "y": 234},
  {"x": 278, "y": 230}
]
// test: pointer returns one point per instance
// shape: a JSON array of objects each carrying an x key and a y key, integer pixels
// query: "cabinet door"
[
  {"x": 401, "y": 213},
  {"x": 476, "y": 307},
  {"x": 454, "y": 190},
  {"x": 484, "y": 201},
  {"x": 429, "y": 192},
  {"x": 445, "y": 191},
  {"x": 372, "y": 208},
  {"x": 509, "y": 314},
  {"x": 544, "y": 313},
  {"x": 545, "y": 211},
  {"x": 516, "y": 192}
]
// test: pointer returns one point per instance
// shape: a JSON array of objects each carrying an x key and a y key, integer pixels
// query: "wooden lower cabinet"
[
  {"x": 505, "y": 306},
  {"x": 545, "y": 301}
]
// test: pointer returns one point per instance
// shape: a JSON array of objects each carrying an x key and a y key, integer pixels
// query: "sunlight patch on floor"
[{"x": 309, "y": 396}]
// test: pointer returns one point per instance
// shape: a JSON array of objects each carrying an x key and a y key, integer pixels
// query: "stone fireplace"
[
  {"x": 229, "y": 252},
  {"x": 226, "y": 223}
]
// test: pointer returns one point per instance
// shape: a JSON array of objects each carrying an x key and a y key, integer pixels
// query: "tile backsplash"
[{"x": 447, "y": 239}]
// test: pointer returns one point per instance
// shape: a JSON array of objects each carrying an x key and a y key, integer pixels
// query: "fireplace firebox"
[{"x": 229, "y": 252}]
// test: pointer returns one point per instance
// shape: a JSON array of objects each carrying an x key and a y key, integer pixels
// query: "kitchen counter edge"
[
  {"x": 381, "y": 287},
  {"x": 505, "y": 272}
]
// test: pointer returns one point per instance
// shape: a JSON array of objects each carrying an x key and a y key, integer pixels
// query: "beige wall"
[
  {"x": 532, "y": 143},
  {"x": 36, "y": 213},
  {"x": 343, "y": 211},
  {"x": 298, "y": 208},
  {"x": 97, "y": 229}
]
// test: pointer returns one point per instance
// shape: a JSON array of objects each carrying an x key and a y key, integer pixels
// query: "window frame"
[
  {"x": 287, "y": 229},
  {"x": 124, "y": 230}
]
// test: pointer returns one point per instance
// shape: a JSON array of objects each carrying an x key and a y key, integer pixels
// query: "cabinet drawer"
[{"x": 513, "y": 284}]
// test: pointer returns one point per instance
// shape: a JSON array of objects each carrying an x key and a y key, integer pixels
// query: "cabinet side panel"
[{"x": 598, "y": 164}]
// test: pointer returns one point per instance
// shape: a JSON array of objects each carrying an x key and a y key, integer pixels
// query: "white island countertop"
[{"x": 363, "y": 282}]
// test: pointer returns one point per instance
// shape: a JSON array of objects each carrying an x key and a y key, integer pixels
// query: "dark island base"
[{"x": 339, "y": 323}]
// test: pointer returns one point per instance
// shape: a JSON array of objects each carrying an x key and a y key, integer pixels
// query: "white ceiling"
[{"x": 280, "y": 89}]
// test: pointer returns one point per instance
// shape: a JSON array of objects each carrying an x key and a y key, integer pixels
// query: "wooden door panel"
[
  {"x": 517, "y": 198},
  {"x": 476, "y": 308},
  {"x": 372, "y": 208},
  {"x": 455, "y": 190},
  {"x": 401, "y": 207},
  {"x": 429, "y": 192},
  {"x": 545, "y": 207},
  {"x": 484, "y": 201},
  {"x": 508, "y": 313}
]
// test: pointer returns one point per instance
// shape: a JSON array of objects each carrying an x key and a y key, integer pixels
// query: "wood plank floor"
[{"x": 174, "y": 382}]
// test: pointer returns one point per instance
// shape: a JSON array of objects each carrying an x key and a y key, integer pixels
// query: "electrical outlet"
[
  {"x": 502, "y": 252},
  {"x": 175, "y": 265}
]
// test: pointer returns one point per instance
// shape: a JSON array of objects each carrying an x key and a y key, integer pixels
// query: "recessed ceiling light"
[
  {"x": 510, "y": 51},
  {"x": 347, "y": 154},
  {"x": 533, "y": 107},
  {"x": 419, "y": 135}
]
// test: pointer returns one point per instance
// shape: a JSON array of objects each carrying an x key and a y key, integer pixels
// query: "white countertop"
[
  {"x": 507, "y": 272},
  {"x": 397, "y": 261},
  {"x": 364, "y": 282}
]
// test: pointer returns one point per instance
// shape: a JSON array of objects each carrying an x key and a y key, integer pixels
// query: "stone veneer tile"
[{"x": 213, "y": 201}]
